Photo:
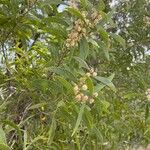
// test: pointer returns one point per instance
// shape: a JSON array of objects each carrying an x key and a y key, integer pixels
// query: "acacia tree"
[{"x": 56, "y": 87}]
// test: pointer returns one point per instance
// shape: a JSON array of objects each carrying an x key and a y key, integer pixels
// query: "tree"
[{"x": 56, "y": 78}]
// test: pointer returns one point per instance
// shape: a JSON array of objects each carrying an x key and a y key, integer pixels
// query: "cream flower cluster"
[
  {"x": 148, "y": 94},
  {"x": 95, "y": 17},
  {"x": 78, "y": 31},
  {"x": 81, "y": 89},
  {"x": 91, "y": 73},
  {"x": 146, "y": 20},
  {"x": 79, "y": 28}
]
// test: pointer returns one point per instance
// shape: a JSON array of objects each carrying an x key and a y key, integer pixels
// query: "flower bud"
[
  {"x": 94, "y": 74},
  {"x": 91, "y": 101},
  {"x": 74, "y": 35},
  {"x": 85, "y": 98},
  {"x": 42, "y": 108},
  {"x": 94, "y": 15},
  {"x": 67, "y": 45},
  {"x": 84, "y": 30},
  {"x": 78, "y": 97},
  {"x": 148, "y": 97},
  {"x": 82, "y": 79},
  {"x": 92, "y": 70},
  {"x": 72, "y": 43},
  {"x": 84, "y": 87},
  {"x": 79, "y": 29},
  {"x": 76, "y": 88},
  {"x": 95, "y": 94},
  {"x": 88, "y": 74}
]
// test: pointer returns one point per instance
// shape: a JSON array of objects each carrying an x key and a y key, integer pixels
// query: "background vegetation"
[{"x": 74, "y": 74}]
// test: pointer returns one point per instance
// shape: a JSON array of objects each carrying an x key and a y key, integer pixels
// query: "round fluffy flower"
[
  {"x": 148, "y": 94},
  {"x": 85, "y": 98},
  {"x": 84, "y": 87},
  {"x": 95, "y": 94},
  {"x": 91, "y": 101},
  {"x": 88, "y": 74},
  {"x": 78, "y": 97},
  {"x": 94, "y": 74},
  {"x": 76, "y": 88}
]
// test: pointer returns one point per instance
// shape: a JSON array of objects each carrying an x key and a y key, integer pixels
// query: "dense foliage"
[{"x": 74, "y": 74}]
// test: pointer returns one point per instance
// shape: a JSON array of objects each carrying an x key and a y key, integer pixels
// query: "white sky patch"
[
  {"x": 61, "y": 8},
  {"x": 113, "y": 3}
]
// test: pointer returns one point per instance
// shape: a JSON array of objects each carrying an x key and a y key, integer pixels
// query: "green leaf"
[
  {"x": 106, "y": 81},
  {"x": 75, "y": 13},
  {"x": 56, "y": 19},
  {"x": 51, "y": 132},
  {"x": 4, "y": 146},
  {"x": 98, "y": 134},
  {"x": 2, "y": 136},
  {"x": 3, "y": 105},
  {"x": 65, "y": 83},
  {"x": 12, "y": 124},
  {"x": 104, "y": 47},
  {"x": 40, "y": 84},
  {"x": 36, "y": 106},
  {"x": 25, "y": 140},
  {"x": 105, "y": 105},
  {"x": 60, "y": 33},
  {"x": 119, "y": 39},
  {"x": 82, "y": 63},
  {"x": 84, "y": 48},
  {"x": 79, "y": 119},
  {"x": 88, "y": 118},
  {"x": 60, "y": 104},
  {"x": 101, "y": 5},
  {"x": 94, "y": 43},
  {"x": 67, "y": 74},
  {"x": 35, "y": 140},
  {"x": 50, "y": 2},
  {"x": 99, "y": 87},
  {"x": 103, "y": 34},
  {"x": 90, "y": 85},
  {"x": 84, "y": 3}
]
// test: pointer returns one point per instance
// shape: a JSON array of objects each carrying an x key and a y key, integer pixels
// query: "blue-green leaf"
[{"x": 106, "y": 81}]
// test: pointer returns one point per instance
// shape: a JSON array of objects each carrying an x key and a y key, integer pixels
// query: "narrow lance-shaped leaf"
[
  {"x": 3, "y": 146},
  {"x": 82, "y": 63},
  {"x": 84, "y": 49},
  {"x": 119, "y": 39},
  {"x": 75, "y": 13},
  {"x": 38, "y": 138},
  {"x": 16, "y": 127},
  {"x": 79, "y": 119},
  {"x": 2, "y": 136},
  {"x": 103, "y": 34},
  {"x": 106, "y": 81},
  {"x": 100, "y": 86},
  {"x": 25, "y": 140},
  {"x": 36, "y": 106},
  {"x": 101, "y": 5},
  {"x": 65, "y": 83},
  {"x": 52, "y": 131},
  {"x": 98, "y": 134}
]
